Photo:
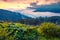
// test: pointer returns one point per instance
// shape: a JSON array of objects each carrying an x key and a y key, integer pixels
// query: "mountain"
[
  {"x": 55, "y": 8},
  {"x": 6, "y": 15}
]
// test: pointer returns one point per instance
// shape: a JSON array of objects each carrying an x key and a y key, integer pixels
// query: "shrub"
[
  {"x": 49, "y": 30},
  {"x": 17, "y": 31},
  {"x": 5, "y": 32},
  {"x": 28, "y": 34}
]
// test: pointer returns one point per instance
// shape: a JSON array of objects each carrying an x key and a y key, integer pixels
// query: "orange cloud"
[
  {"x": 30, "y": 1},
  {"x": 47, "y": 1},
  {"x": 21, "y": 4}
]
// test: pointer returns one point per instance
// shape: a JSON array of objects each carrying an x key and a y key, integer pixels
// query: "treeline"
[{"x": 39, "y": 20}]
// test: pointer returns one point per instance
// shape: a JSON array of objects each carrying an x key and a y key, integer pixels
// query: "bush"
[
  {"x": 6, "y": 32},
  {"x": 17, "y": 31},
  {"x": 49, "y": 30},
  {"x": 29, "y": 34}
]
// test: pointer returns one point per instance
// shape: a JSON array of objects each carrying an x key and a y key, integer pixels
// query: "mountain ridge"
[{"x": 7, "y": 15}]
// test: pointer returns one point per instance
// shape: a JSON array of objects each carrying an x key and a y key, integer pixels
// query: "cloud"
[
  {"x": 48, "y": 1},
  {"x": 17, "y": 4},
  {"x": 31, "y": 1},
  {"x": 29, "y": 12},
  {"x": 19, "y": 1}
]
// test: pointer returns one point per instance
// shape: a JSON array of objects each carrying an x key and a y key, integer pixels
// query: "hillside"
[{"x": 6, "y": 15}]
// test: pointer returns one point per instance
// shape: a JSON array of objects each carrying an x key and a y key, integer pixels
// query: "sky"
[
  {"x": 42, "y": 7},
  {"x": 22, "y": 4}
]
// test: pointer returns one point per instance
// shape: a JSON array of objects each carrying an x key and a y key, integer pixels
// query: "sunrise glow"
[{"x": 22, "y": 4}]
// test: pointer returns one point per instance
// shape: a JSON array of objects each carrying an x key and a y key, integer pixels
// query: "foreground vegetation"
[{"x": 17, "y": 31}]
